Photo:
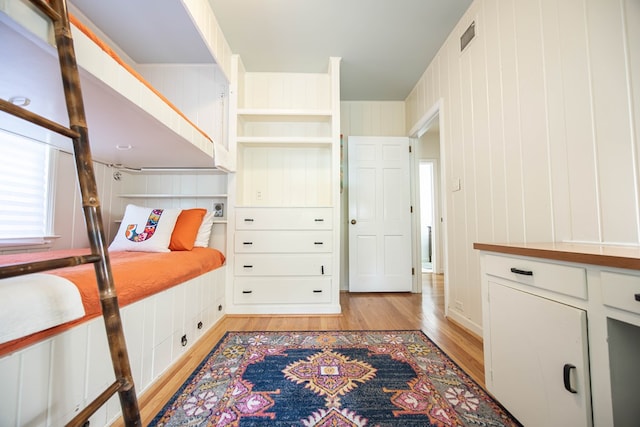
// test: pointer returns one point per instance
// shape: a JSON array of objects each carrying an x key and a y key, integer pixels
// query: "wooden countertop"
[{"x": 606, "y": 255}]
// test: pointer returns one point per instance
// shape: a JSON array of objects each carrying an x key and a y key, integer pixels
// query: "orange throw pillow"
[{"x": 186, "y": 229}]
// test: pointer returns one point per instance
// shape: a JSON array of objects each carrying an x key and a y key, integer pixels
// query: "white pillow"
[
  {"x": 204, "y": 232},
  {"x": 145, "y": 229}
]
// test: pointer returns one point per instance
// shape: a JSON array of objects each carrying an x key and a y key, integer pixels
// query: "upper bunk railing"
[{"x": 56, "y": 10}]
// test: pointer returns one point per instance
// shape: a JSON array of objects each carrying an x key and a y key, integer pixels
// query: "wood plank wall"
[{"x": 541, "y": 116}]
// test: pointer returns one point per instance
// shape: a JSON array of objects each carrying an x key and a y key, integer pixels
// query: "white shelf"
[
  {"x": 173, "y": 196},
  {"x": 285, "y": 140},
  {"x": 270, "y": 114},
  {"x": 215, "y": 221}
]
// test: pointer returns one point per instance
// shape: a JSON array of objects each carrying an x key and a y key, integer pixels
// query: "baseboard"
[{"x": 465, "y": 323}]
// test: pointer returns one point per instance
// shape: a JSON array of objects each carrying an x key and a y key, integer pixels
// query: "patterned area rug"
[{"x": 341, "y": 379}]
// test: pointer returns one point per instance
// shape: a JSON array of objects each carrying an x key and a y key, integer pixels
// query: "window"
[{"x": 24, "y": 190}]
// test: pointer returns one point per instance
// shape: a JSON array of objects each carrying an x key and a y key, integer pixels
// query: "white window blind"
[{"x": 24, "y": 198}]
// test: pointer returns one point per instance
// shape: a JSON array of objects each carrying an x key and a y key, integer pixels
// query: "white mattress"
[{"x": 36, "y": 302}]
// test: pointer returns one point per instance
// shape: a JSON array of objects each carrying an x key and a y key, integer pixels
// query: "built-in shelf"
[
  {"x": 215, "y": 221},
  {"x": 285, "y": 140},
  {"x": 270, "y": 114},
  {"x": 173, "y": 196}
]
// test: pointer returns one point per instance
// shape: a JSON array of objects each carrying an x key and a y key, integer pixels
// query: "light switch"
[{"x": 455, "y": 185}]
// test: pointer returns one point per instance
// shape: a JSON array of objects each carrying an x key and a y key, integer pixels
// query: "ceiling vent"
[{"x": 467, "y": 36}]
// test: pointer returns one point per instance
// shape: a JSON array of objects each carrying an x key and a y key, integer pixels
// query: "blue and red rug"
[{"x": 336, "y": 378}]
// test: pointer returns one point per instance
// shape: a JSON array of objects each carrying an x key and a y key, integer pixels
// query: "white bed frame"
[
  {"x": 46, "y": 383},
  {"x": 113, "y": 96}
]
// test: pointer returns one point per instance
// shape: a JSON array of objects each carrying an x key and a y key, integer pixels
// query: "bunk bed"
[
  {"x": 50, "y": 375},
  {"x": 149, "y": 126},
  {"x": 31, "y": 309}
]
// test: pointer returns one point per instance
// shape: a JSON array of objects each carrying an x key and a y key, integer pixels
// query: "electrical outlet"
[
  {"x": 459, "y": 305},
  {"x": 258, "y": 195}
]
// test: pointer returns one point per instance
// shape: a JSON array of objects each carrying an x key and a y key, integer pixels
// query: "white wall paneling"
[
  {"x": 68, "y": 216},
  {"x": 540, "y": 127},
  {"x": 373, "y": 118},
  {"x": 207, "y": 24},
  {"x": 184, "y": 190},
  {"x": 198, "y": 90}
]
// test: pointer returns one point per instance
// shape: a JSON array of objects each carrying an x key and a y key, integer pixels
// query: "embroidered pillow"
[
  {"x": 145, "y": 229},
  {"x": 186, "y": 229},
  {"x": 204, "y": 233}
]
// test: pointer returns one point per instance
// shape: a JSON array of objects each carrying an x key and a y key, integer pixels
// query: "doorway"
[
  {"x": 429, "y": 241},
  {"x": 427, "y": 214}
]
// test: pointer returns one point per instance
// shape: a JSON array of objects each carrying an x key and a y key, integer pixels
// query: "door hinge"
[
  {"x": 410, "y": 149},
  {"x": 413, "y": 271}
]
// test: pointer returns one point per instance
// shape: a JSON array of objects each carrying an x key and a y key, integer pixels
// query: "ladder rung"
[
  {"x": 49, "y": 264},
  {"x": 81, "y": 417},
  {"x": 46, "y": 9},
  {"x": 22, "y": 113}
]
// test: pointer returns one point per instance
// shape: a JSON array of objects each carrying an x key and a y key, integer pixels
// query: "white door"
[{"x": 379, "y": 215}]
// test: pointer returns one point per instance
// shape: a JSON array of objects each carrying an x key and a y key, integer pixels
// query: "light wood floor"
[{"x": 360, "y": 311}]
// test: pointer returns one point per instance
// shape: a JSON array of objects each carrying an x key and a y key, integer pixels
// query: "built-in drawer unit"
[
  {"x": 563, "y": 279},
  {"x": 621, "y": 291},
  {"x": 283, "y": 265},
  {"x": 282, "y": 290},
  {"x": 283, "y": 241},
  {"x": 284, "y": 257},
  {"x": 284, "y": 219}
]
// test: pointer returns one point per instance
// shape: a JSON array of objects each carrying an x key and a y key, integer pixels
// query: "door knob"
[{"x": 353, "y": 221}]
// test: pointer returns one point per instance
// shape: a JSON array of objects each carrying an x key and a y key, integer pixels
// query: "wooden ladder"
[{"x": 56, "y": 10}]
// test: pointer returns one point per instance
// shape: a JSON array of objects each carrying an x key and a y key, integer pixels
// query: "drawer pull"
[
  {"x": 523, "y": 272},
  {"x": 322, "y": 270},
  {"x": 318, "y": 243},
  {"x": 247, "y": 292},
  {"x": 566, "y": 376},
  {"x": 248, "y": 220},
  {"x": 248, "y": 266},
  {"x": 247, "y": 243},
  {"x": 637, "y": 297},
  {"x": 317, "y": 291},
  {"x": 183, "y": 340},
  {"x": 319, "y": 219}
]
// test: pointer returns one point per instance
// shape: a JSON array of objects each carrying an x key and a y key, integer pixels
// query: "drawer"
[
  {"x": 621, "y": 291},
  {"x": 564, "y": 279},
  {"x": 282, "y": 264},
  {"x": 283, "y": 241},
  {"x": 282, "y": 290},
  {"x": 284, "y": 218}
]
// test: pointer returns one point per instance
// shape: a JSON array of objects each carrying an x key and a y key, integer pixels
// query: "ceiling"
[{"x": 385, "y": 45}]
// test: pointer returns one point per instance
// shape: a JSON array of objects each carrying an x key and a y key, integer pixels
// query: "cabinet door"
[{"x": 539, "y": 363}]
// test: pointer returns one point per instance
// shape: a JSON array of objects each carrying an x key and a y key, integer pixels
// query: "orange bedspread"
[{"x": 136, "y": 275}]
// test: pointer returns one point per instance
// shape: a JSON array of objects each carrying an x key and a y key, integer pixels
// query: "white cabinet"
[
  {"x": 285, "y": 195},
  {"x": 559, "y": 318},
  {"x": 538, "y": 358},
  {"x": 285, "y": 258}
]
